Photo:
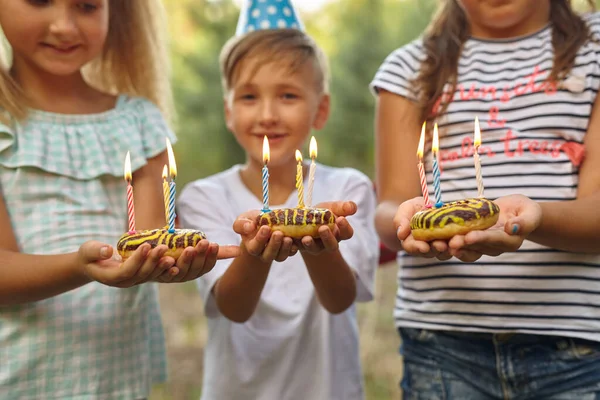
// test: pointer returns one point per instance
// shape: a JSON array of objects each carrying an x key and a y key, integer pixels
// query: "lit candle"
[
  {"x": 130, "y": 210},
  {"x": 436, "y": 169},
  {"x": 265, "y": 174},
  {"x": 299, "y": 182},
  {"x": 165, "y": 174},
  {"x": 420, "y": 150},
  {"x": 311, "y": 172},
  {"x": 173, "y": 173},
  {"x": 477, "y": 141}
]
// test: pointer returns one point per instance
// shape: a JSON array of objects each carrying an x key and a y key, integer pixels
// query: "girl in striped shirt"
[{"x": 514, "y": 311}]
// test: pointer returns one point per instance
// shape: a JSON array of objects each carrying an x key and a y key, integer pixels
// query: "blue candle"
[
  {"x": 436, "y": 169},
  {"x": 265, "y": 175}
]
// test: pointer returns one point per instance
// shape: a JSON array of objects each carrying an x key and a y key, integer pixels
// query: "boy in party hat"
[{"x": 284, "y": 330}]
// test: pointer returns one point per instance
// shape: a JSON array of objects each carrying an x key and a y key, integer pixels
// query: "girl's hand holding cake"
[
  {"x": 101, "y": 263},
  {"x": 519, "y": 216},
  {"x": 146, "y": 264},
  {"x": 436, "y": 248}
]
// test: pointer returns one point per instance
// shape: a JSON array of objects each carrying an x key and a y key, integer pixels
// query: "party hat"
[{"x": 267, "y": 14}]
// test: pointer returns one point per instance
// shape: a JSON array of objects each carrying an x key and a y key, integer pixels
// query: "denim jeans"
[{"x": 440, "y": 365}]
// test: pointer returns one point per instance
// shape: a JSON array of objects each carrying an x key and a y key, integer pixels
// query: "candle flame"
[
  {"x": 165, "y": 173},
  {"x": 435, "y": 146},
  {"x": 298, "y": 156},
  {"x": 172, "y": 165},
  {"x": 266, "y": 150},
  {"x": 477, "y": 133},
  {"x": 127, "y": 168},
  {"x": 313, "y": 147},
  {"x": 421, "y": 147}
]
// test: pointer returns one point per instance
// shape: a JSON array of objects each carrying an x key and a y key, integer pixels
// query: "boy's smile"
[{"x": 274, "y": 101}]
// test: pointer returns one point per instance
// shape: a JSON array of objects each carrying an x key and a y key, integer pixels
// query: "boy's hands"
[
  {"x": 262, "y": 243},
  {"x": 102, "y": 264},
  {"x": 519, "y": 216},
  {"x": 329, "y": 240}
]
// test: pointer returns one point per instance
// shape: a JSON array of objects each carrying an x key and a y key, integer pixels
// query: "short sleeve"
[
  {"x": 204, "y": 205},
  {"x": 398, "y": 71},
  {"x": 361, "y": 252},
  {"x": 154, "y": 128}
]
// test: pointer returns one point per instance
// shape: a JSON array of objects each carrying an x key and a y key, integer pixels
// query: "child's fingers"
[
  {"x": 244, "y": 226},
  {"x": 148, "y": 267},
  {"x": 228, "y": 251},
  {"x": 196, "y": 262},
  {"x": 345, "y": 229},
  {"x": 285, "y": 250},
  {"x": 256, "y": 245},
  {"x": 328, "y": 240},
  {"x": 272, "y": 249},
  {"x": 152, "y": 263},
  {"x": 211, "y": 259},
  {"x": 164, "y": 265},
  {"x": 184, "y": 263},
  {"x": 466, "y": 255},
  {"x": 416, "y": 247},
  {"x": 340, "y": 208},
  {"x": 130, "y": 267}
]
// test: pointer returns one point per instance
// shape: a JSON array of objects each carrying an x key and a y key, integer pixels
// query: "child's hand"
[
  {"x": 437, "y": 248},
  {"x": 329, "y": 240},
  {"x": 262, "y": 243},
  {"x": 101, "y": 264},
  {"x": 519, "y": 216},
  {"x": 197, "y": 261}
]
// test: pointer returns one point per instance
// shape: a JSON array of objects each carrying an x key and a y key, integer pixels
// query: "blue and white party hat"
[{"x": 267, "y": 14}]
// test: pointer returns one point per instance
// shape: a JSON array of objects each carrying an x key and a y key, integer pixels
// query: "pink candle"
[
  {"x": 420, "y": 150},
  {"x": 130, "y": 208}
]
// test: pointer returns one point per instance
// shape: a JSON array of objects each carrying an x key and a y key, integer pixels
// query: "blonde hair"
[
  {"x": 134, "y": 60},
  {"x": 289, "y": 46},
  {"x": 449, "y": 29}
]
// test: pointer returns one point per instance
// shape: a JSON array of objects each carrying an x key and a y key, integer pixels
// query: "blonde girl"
[{"x": 83, "y": 83}]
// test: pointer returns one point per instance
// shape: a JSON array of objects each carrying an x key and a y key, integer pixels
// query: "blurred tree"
[
  {"x": 199, "y": 29},
  {"x": 365, "y": 32}
]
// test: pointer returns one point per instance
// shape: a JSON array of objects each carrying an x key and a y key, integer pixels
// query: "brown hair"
[
  {"x": 449, "y": 29},
  {"x": 134, "y": 60},
  {"x": 289, "y": 46}
]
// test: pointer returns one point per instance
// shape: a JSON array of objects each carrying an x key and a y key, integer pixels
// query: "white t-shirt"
[
  {"x": 291, "y": 348},
  {"x": 532, "y": 144}
]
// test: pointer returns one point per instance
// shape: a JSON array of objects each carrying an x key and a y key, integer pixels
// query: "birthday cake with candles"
[
  {"x": 454, "y": 218},
  {"x": 302, "y": 220},
  {"x": 442, "y": 221},
  {"x": 175, "y": 239}
]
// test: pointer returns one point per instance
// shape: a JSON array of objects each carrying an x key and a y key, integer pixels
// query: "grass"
[{"x": 185, "y": 329}]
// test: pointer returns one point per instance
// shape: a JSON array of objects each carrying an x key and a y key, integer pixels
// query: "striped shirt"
[{"x": 532, "y": 134}]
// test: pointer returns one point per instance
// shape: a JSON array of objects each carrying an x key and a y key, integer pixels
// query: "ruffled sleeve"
[{"x": 86, "y": 147}]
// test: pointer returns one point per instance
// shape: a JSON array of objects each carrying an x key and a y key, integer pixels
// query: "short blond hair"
[
  {"x": 291, "y": 47},
  {"x": 134, "y": 60}
]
